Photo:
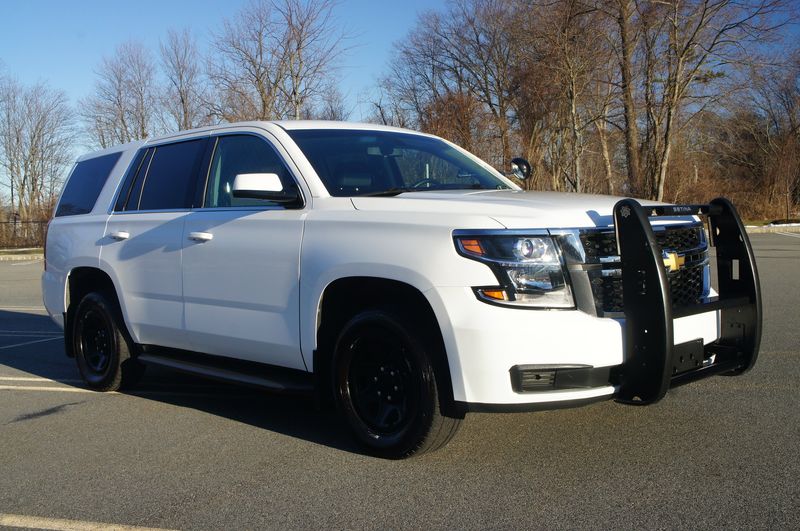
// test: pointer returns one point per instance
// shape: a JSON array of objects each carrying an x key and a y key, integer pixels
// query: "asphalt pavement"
[{"x": 185, "y": 453}]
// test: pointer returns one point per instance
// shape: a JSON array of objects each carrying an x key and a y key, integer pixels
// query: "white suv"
[{"x": 392, "y": 273}]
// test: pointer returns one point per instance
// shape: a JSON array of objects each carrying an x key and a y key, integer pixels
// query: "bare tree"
[
  {"x": 387, "y": 109},
  {"x": 453, "y": 75},
  {"x": 623, "y": 12},
  {"x": 245, "y": 72},
  {"x": 309, "y": 48},
  {"x": 564, "y": 43},
  {"x": 124, "y": 103},
  {"x": 36, "y": 136},
  {"x": 675, "y": 60},
  {"x": 184, "y": 95},
  {"x": 331, "y": 106},
  {"x": 273, "y": 58}
]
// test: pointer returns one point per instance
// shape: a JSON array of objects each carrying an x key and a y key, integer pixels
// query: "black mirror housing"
[{"x": 520, "y": 168}]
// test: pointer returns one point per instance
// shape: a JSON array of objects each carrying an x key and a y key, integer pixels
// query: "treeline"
[
  {"x": 274, "y": 59},
  {"x": 677, "y": 100}
]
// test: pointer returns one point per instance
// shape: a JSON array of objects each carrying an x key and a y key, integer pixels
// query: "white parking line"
[
  {"x": 132, "y": 392},
  {"x": 23, "y": 308},
  {"x": 45, "y": 389},
  {"x": 790, "y": 234},
  {"x": 56, "y": 524},
  {"x": 35, "y": 379},
  {"x": 28, "y": 343},
  {"x": 25, "y": 262}
]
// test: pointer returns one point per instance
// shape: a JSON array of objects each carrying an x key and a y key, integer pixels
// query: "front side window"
[
  {"x": 357, "y": 162},
  {"x": 171, "y": 176},
  {"x": 237, "y": 154}
]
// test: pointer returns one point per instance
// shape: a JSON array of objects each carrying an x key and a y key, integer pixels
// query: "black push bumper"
[{"x": 653, "y": 362}]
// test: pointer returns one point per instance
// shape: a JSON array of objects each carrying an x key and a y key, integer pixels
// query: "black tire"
[
  {"x": 375, "y": 356},
  {"x": 102, "y": 345}
]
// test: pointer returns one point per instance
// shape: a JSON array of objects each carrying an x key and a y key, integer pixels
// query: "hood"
[{"x": 515, "y": 209}]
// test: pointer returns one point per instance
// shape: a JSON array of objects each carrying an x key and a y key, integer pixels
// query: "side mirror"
[
  {"x": 520, "y": 168},
  {"x": 266, "y": 186}
]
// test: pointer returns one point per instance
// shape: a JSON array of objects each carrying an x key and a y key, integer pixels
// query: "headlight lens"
[{"x": 528, "y": 268}]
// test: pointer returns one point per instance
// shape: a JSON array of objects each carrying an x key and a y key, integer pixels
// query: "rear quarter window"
[{"x": 84, "y": 185}]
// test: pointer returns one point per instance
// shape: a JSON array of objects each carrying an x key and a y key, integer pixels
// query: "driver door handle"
[
  {"x": 201, "y": 236},
  {"x": 120, "y": 235}
]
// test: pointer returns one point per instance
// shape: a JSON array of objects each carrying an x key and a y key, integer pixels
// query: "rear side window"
[
  {"x": 171, "y": 177},
  {"x": 133, "y": 171},
  {"x": 84, "y": 185}
]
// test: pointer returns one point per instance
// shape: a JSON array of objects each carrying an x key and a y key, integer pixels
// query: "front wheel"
[
  {"x": 386, "y": 387},
  {"x": 102, "y": 346}
]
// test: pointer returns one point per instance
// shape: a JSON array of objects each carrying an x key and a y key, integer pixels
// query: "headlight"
[{"x": 528, "y": 267}]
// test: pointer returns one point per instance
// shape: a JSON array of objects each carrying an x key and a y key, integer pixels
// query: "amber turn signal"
[
  {"x": 494, "y": 294},
  {"x": 472, "y": 246}
]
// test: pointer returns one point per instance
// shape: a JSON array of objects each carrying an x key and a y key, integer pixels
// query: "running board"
[{"x": 270, "y": 378}]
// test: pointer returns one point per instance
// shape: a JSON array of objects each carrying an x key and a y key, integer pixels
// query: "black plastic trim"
[
  {"x": 68, "y": 350},
  {"x": 649, "y": 368},
  {"x": 565, "y": 377},
  {"x": 253, "y": 374},
  {"x": 127, "y": 181}
]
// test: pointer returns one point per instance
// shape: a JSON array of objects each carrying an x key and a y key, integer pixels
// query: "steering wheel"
[{"x": 422, "y": 182}]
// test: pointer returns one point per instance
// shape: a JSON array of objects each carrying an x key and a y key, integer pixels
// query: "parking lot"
[{"x": 185, "y": 453}]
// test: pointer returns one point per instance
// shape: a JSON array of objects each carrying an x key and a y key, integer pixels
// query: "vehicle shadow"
[{"x": 295, "y": 416}]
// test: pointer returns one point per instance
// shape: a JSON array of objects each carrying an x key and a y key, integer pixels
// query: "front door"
[{"x": 241, "y": 262}]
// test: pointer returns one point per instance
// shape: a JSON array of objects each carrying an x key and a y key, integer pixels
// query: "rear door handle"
[
  {"x": 120, "y": 235},
  {"x": 201, "y": 236}
]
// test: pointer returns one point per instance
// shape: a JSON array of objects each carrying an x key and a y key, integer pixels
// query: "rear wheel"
[
  {"x": 102, "y": 346},
  {"x": 386, "y": 388}
]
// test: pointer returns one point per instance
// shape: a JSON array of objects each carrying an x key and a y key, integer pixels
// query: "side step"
[{"x": 259, "y": 375}]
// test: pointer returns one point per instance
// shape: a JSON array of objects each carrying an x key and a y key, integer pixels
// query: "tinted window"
[
  {"x": 135, "y": 193},
  {"x": 126, "y": 182},
  {"x": 353, "y": 162},
  {"x": 84, "y": 185},
  {"x": 171, "y": 176},
  {"x": 241, "y": 154}
]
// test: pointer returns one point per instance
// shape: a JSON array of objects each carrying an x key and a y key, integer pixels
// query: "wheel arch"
[
  {"x": 82, "y": 280},
  {"x": 344, "y": 297}
]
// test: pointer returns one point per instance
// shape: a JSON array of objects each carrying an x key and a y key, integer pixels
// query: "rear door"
[
  {"x": 241, "y": 260},
  {"x": 142, "y": 245}
]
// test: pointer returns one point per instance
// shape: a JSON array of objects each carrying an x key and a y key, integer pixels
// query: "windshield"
[{"x": 354, "y": 162}]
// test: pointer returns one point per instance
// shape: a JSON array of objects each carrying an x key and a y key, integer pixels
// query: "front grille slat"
[{"x": 688, "y": 286}]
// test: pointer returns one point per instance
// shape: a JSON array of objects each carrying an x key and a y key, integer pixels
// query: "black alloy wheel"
[
  {"x": 386, "y": 388},
  {"x": 96, "y": 333},
  {"x": 381, "y": 382},
  {"x": 101, "y": 344}
]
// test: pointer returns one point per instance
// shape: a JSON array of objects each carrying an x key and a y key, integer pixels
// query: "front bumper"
[
  {"x": 646, "y": 353},
  {"x": 486, "y": 342}
]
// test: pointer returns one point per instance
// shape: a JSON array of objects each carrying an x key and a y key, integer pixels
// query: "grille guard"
[{"x": 652, "y": 363}]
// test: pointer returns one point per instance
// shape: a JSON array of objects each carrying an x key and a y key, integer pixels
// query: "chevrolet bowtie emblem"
[{"x": 674, "y": 261}]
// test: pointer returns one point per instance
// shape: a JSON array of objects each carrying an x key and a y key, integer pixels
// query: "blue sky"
[{"x": 62, "y": 42}]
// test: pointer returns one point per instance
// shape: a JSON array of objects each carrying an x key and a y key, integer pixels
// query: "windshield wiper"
[{"x": 391, "y": 192}]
